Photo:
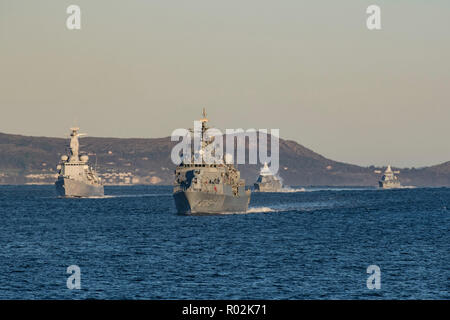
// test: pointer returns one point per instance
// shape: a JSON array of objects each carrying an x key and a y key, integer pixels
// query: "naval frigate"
[
  {"x": 267, "y": 181},
  {"x": 389, "y": 180},
  {"x": 75, "y": 177},
  {"x": 209, "y": 188}
]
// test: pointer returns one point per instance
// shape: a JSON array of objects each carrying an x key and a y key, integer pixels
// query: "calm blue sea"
[{"x": 296, "y": 245}]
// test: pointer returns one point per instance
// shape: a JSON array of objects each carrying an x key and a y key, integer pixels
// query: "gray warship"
[
  {"x": 267, "y": 181},
  {"x": 389, "y": 180},
  {"x": 204, "y": 188},
  {"x": 75, "y": 177}
]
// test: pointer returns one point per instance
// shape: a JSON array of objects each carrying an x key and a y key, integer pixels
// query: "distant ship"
[
  {"x": 389, "y": 180},
  {"x": 75, "y": 177},
  {"x": 267, "y": 181},
  {"x": 203, "y": 188}
]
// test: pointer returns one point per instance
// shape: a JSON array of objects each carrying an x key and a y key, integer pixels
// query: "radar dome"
[
  {"x": 84, "y": 158},
  {"x": 64, "y": 158}
]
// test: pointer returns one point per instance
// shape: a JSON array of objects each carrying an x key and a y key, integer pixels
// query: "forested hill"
[{"x": 25, "y": 159}]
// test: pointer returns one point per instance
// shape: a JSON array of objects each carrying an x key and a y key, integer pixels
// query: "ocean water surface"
[{"x": 317, "y": 244}]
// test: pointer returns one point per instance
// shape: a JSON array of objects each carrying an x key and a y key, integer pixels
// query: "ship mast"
[
  {"x": 74, "y": 144},
  {"x": 204, "y": 121},
  {"x": 199, "y": 150}
]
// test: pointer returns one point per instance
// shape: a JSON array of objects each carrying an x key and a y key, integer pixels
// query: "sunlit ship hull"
[
  {"x": 274, "y": 186},
  {"x": 72, "y": 188},
  {"x": 389, "y": 185},
  {"x": 192, "y": 202}
]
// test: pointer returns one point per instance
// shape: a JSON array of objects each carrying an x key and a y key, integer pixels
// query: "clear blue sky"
[{"x": 310, "y": 68}]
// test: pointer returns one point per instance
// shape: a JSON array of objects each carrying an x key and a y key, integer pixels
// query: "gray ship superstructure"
[
  {"x": 267, "y": 181},
  {"x": 209, "y": 188},
  {"x": 75, "y": 177},
  {"x": 389, "y": 180}
]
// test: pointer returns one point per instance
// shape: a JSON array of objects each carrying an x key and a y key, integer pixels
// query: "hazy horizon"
[{"x": 313, "y": 70}]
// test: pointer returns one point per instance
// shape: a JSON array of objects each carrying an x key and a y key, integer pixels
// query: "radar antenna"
[
  {"x": 74, "y": 144},
  {"x": 204, "y": 119}
]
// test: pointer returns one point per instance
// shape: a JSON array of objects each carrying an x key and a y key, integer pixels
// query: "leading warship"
[
  {"x": 389, "y": 180},
  {"x": 267, "y": 181},
  {"x": 209, "y": 188},
  {"x": 75, "y": 177}
]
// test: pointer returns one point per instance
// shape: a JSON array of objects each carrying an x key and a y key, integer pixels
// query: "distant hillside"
[{"x": 25, "y": 159}]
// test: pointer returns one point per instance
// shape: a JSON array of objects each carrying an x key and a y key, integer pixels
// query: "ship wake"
[
  {"x": 112, "y": 196},
  {"x": 300, "y": 206},
  {"x": 289, "y": 190}
]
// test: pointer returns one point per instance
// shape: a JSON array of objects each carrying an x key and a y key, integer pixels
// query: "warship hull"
[
  {"x": 389, "y": 185},
  {"x": 268, "y": 187},
  {"x": 72, "y": 188},
  {"x": 192, "y": 202}
]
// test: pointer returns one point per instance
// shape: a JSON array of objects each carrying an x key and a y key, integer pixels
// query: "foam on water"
[
  {"x": 111, "y": 196},
  {"x": 260, "y": 209},
  {"x": 311, "y": 189},
  {"x": 289, "y": 189},
  {"x": 293, "y": 206}
]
